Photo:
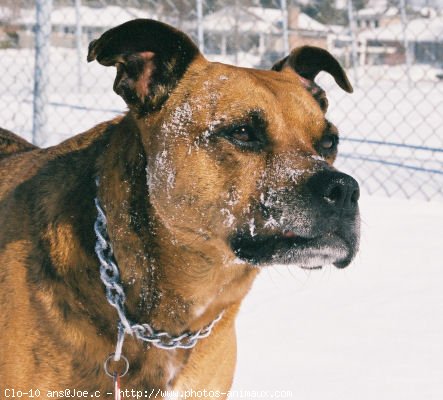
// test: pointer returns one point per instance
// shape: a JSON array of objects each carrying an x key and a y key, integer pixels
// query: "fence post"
[
  {"x": 284, "y": 11},
  {"x": 353, "y": 40},
  {"x": 78, "y": 43},
  {"x": 200, "y": 30},
  {"x": 41, "y": 73},
  {"x": 404, "y": 26},
  {"x": 236, "y": 35}
]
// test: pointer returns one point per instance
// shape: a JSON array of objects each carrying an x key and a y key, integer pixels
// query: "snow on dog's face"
[{"x": 240, "y": 157}]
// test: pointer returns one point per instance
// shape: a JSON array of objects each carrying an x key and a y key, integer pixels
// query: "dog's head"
[{"x": 240, "y": 157}]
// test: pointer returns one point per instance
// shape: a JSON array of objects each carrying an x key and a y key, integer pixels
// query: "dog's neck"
[{"x": 173, "y": 281}]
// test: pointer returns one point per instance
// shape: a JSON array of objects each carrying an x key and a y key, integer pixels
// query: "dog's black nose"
[{"x": 339, "y": 190}]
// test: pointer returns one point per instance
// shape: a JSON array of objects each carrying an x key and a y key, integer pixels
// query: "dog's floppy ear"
[
  {"x": 151, "y": 57},
  {"x": 308, "y": 61}
]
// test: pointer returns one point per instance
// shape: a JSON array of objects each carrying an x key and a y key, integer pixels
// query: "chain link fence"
[{"x": 391, "y": 127}]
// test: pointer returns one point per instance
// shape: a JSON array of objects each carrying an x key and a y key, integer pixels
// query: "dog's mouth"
[{"x": 289, "y": 248}]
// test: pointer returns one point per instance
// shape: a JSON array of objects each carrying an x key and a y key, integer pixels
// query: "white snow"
[
  {"x": 229, "y": 217},
  {"x": 252, "y": 227},
  {"x": 371, "y": 331}
]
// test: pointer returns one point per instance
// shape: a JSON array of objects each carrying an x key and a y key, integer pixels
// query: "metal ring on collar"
[{"x": 109, "y": 359}]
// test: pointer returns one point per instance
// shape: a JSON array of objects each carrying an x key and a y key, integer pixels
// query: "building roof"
[
  {"x": 307, "y": 23},
  {"x": 227, "y": 19},
  {"x": 243, "y": 19},
  {"x": 255, "y": 19},
  {"x": 90, "y": 16},
  {"x": 375, "y": 12},
  {"x": 417, "y": 30}
]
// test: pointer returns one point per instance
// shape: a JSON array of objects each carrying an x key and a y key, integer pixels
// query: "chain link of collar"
[{"x": 110, "y": 275}]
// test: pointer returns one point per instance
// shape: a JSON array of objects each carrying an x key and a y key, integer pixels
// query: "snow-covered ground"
[{"x": 371, "y": 331}]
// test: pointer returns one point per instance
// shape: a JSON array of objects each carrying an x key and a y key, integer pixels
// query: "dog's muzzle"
[{"x": 311, "y": 227}]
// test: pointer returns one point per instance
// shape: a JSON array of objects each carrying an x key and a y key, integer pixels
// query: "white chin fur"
[{"x": 316, "y": 258}]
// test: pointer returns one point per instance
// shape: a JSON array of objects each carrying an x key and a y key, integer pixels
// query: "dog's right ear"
[
  {"x": 308, "y": 61},
  {"x": 150, "y": 56}
]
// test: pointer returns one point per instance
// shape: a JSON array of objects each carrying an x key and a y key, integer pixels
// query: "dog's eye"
[
  {"x": 248, "y": 133},
  {"x": 245, "y": 137},
  {"x": 243, "y": 134},
  {"x": 328, "y": 143}
]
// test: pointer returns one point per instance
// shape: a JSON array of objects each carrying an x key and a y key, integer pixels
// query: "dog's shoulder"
[
  {"x": 21, "y": 161},
  {"x": 14, "y": 151},
  {"x": 84, "y": 140},
  {"x": 10, "y": 143}
]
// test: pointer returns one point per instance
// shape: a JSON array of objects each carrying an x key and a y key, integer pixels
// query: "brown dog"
[{"x": 214, "y": 170}]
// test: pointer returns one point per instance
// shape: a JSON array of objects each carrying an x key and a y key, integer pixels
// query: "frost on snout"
[
  {"x": 258, "y": 180},
  {"x": 306, "y": 215}
]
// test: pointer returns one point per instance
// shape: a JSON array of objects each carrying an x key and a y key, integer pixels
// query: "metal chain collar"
[{"x": 110, "y": 275}]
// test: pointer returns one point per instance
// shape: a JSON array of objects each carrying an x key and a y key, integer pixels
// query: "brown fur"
[
  {"x": 171, "y": 240},
  {"x": 10, "y": 143}
]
